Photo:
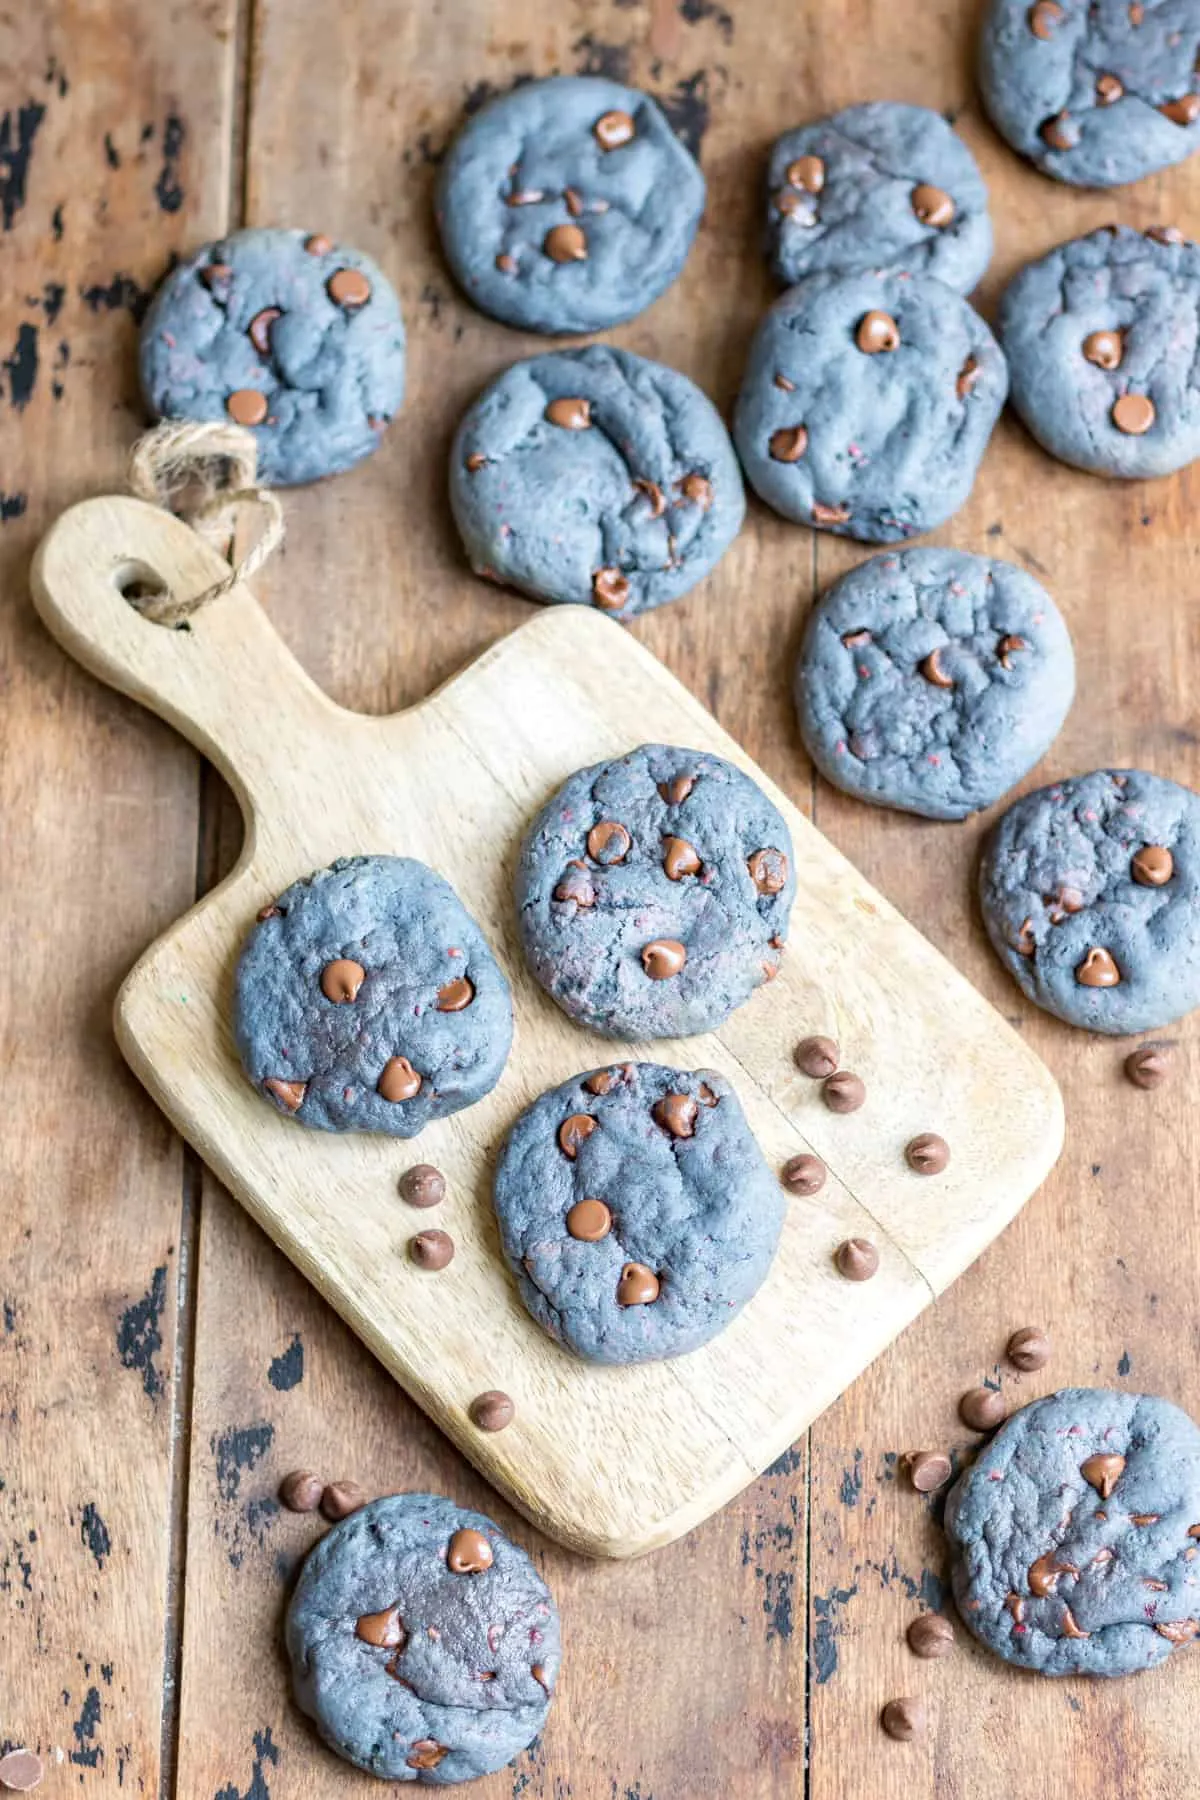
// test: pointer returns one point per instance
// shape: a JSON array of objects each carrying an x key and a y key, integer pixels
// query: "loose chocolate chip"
[
  {"x": 20, "y": 1771},
  {"x": 573, "y": 1131},
  {"x": 843, "y": 1092},
  {"x": 822, "y": 514},
  {"x": 318, "y": 244},
  {"x": 574, "y": 414},
  {"x": 804, "y": 1174},
  {"x": 259, "y": 328},
  {"x": 1059, "y": 132},
  {"x": 1007, "y": 648},
  {"x": 676, "y": 1114},
  {"x": 904, "y": 1719},
  {"x": 431, "y": 1249},
  {"x": 1153, "y": 866},
  {"x": 1109, "y": 89},
  {"x": 1044, "y": 17},
  {"x": 817, "y": 1057},
  {"x": 349, "y": 289},
  {"x": 399, "y": 1080},
  {"x": 456, "y": 995},
  {"x": 426, "y": 1753},
  {"x": 341, "y": 1498},
  {"x": 289, "y": 1095},
  {"x": 679, "y": 858},
  {"x": 246, "y": 406},
  {"x": 928, "y": 1470},
  {"x": 492, "y": 1411},
  {"x": 341, "y": 980},
  {"x": 857, "y": 1259},
  {"x": 932, "y": 206},
  {"x": 1133, "y": 414},
  {"x": 930, "y": 1635},
  {"x": 301, "y": 1491},
  {"x": 807, "y": 172},
  {"x": 653, "y": 493},
  {"x": 982, "y": 1409},
  {"x": 1097, "y": 970},
  {"x": 676, "y": 791},
  {"x": 589, "y": 1221},
  {"x": 927, "y": 1154},
  {"x": 768, "y": 870},
  {"x": 610, "y": 589},
  {"x": 789, "y": 443},
  {"x": 663, "y": 958},
  {"x": 423, "y": 1185},
  {"x": 697, "y": 489},
  {"x": 877, "y": 331},
  {"x": 1028, "y": 1349},
  {"x": 612, "y": 129},
  {"x": 566, "y": 244},
  {"x": 932, "y": 670},
  {"x": 384, "y": 1630},
  {"x": 215, "y": 275},
  {"x": 1184, "y": 111},
  {"x": 609, "y": 842},
  {"x": 1103, "y": 1472},
  {"x": 1148, "y": 1066},
  {"x": 638, "y": 1285}
]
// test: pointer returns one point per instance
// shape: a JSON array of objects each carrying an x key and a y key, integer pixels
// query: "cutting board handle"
[{"x": 224, "y": 679}]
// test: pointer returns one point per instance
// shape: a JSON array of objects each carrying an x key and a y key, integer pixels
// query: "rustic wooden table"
[{"x": 160, "y": 1364}]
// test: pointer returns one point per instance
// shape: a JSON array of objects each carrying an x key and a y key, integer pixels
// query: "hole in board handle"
[{"x": 138, "y": 583}]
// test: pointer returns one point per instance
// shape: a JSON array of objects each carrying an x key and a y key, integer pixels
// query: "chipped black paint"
[
  {"x": 287, "y": 1369},
  {"x": 168, "y": 189},
  {"x": 771, "y": 1549},
  {"x": 241, "y": 1525},
  {"x": 112, "y": 155},
  {"x": 139, "y": 1334},
  {"x": 480, "y": 92},
  {"x": 823, "y": 1653},
  {"x": 594, "y": 57},
  {"x": 58, "y": 368},
  {"x": 788, "y": 1463},
  {"x": 56, "y": 223},
  {"x": 17, "y": 132},
  {"x": 94, "y": 1533},
  {"x": 22, "y": 366},
  {"x": 266, "y": 1750},
  {"x": 121, "y": 291},
  {"x": 693, "y": 11},
  {"x": 10, "y": 1306},
  {"x": 688, "y": 107},
  {"x": 87, "y": 1752},
  {"x": 237, "y": 1450},
  {"x": 56, "y": 77},
  {"x": 53, "y": 295},
  {"x": 852, "y": 1481},
  {"x": 1125, "y": 1364}
]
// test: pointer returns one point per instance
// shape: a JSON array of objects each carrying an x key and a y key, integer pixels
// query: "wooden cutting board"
[{"x": 611, "y": 1461}]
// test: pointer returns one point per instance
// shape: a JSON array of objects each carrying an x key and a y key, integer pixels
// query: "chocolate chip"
[
  {"x": 1148, "y": 1066},
  {"x": 676, "y": 1114},
  {"x": 768, "y": 870},
  {"x": 638, "y": 1285},
  {"x": 932, "y": 205},
  {"x": 930, "y": 1635},
  {"x": 246, "y": 406},
  {"x": 663, "y": 958},
  {"x": 318, "y": 244},
  {"x": 1097, "y": 970},
  {"x": 789, "y": 443},
  {"x": 341, "y": 1498},
  {"x": 1164, "y": 234},
  {"x": 341, "y": 980},
  {"x": 968, "y": 375},
  {"x": 349, "y": 289},
  {"x": 1184, "y": 111},
  {"x": 928, "y": 1470},
  {"x": 20, "y": 1771},
  {"x": 269, "y": 911},
  {"x": 856, "y": 640},
  {"x": 1144, "y": 1518},
  {"x": 215, "y": 275},
  {"x": 982, "y": 1409},
  {"x": 679, "y": 858},
  {"x": 566, "y": 244},
  {"x": 697, "y": 489},
  {"x": 877, "y": 332},
  {"x": 426, "y": 1753},
  {"x": 1044, "y": 17},
  {"x": 843, "y": 1092},
  {"x": 423, "y": 1185},
  {"x": 524, "y": 197},
  {"x": 259, "y": 328},
  {"x": 676, "y": 791},
  {"x": 1176, "y": 1631},
  {"x": 589, "y": 1221},
  {"x": 823, "y": 514},
  {"x": 1104, "y": 348},
  {"x": 289, "y": 1095},
  {"x": 612, "y": 129},
  {"x": 1103, "y": 1472},
  {"x": 456, "y": 995},
  {"x": 492, "y": 1411},
  {"x": 927, "y": 1154},
  {"x": 576, "y": 885},
  {"x": 602, "y": 1082},
  {"x": 1108, "y": 90},
  {"x": 609, "y": 842},
  {"x": 1059, "y": 132},
  {"x": 1153, "y": 866},
  {"x": 538, "y": 1672},
  {"x": 932, "y": 670},
  {"x": 786, "y": 386},
  {"x": 506, "y": 263},
  {"x": 399, "y": 1080},
  {"x": 1028, "y": 1349},
  {"x": 574, "y": 202},
  {"x": 804, "y": 1174},
  {"x": 653, "y": 493},
  {"x": 1044, "y": 1572},
  {"x": 476, "y": 461},
  {"x": 431, "y": 1250},
  {"x": 301, "y": 1491},
  {"x": 573, "y": 1132},
  {"x": 610, "y": 589},
  {"x": 857, "y": 1259},
  {"x": 574, "y": 414},
  {"x": 807, "y": 172},
  {"x": 383, "y": 1630},
  {"x": 904, "y": 1719},
  {"x": 1025, "y": 943},
  {"x": 817, "y": 1057},
  {"x": 1007, "y": 648},
  {"x": 1133, "y": 414}
]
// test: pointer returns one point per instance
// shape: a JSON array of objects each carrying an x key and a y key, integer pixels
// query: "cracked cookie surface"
[
  {"x": 366, "y": 999},
  {"x": 286, "y": 333},
  {"x": 568, "y": 204},
  {"x": 933, "y": 680},
  {"x": 636, "y": 1211},
  {"x": 1102, "y": 338},
  {"x": 1074, "y": 1535},
  {"x": 1095, "y": 92},
  {"x": 1089, "y": 891},
  {"x": 880, "y": 186},
  {"x": 654, "y": 892},
  {"x": 867, "y": 403},
  {"x": 597, "y": 477},
  {"x": 424, "y": 1645}
]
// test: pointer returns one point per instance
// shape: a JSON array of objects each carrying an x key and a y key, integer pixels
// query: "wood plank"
[{"x": 103, "y": 115}]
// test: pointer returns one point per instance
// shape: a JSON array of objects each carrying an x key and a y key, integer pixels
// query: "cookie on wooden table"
[
  {"x": 1101, "y": 337},
  {"x": 867, "y": 403},
  {"x": 568, "y": 204},
  {"x": 880, "y": 186},
  {"x": 285, "y": 332},
  {"x": 598, "y": 477},
  {"x": 1090, "y": 892},
  {"x": 1073, "y": 1535},
  {"x": 636, "y": 1211},
  {"x": 933, "y": 680},
  {"x": 654, "y": 892},
  {"x": 423, "y": 1644},
  {"x": 366, "y": 999}
]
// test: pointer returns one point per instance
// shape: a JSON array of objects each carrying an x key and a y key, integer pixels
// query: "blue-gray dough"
[
  {"x": 366, "y": 999},
  {"x": 568, "y": 204},
  {"x": 1073, "y": 1537},
  {"x": 636, "y": 1211},
  {"x": 1095, "y": 92},
  {"x": 1090, "y": 896},
  {"x": 597, "y": 477},
  {"x": 450, "y": 1674},
  {"x": 1100, "y": 337},
  {"x": 880, "y": 186},
  {"x": 654, "y": 893},
  {"x": 251, "y": 325},
  {"x": 933, "y": 680},
  {"x": 877, "y": 443}
]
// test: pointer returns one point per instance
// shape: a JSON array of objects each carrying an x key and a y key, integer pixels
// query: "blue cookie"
[
  {"x": 1100, "y": 337},
  {"x": 1091, "y": 896},
  {"x": 880, "y": 186},
  {"x": 636, "y": 1211},
  {"x": 654, "y": 893},
  {"x": 423, "y": 1644},
  {"x": 366, "y": 999},
  {"x": 933, "y": 680},
  {"x": 568, "y": 205},
  {"x": 1095, "y": 92},
  {"x": 867, "y": 403},
  {"x": 597, "y": 477},
  {"x": 284, "y": 332},
  {"x": 1073, "y": 1535}
]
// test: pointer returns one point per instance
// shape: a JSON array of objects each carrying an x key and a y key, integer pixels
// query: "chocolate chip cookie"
[
  {"x": 597, "y": 477},
  {"x": 568, "y": 204},
  {"x": 867, "y": 402},
  {"x": 636, "y": 1211},
  {"x": 933, "y": 680},
  {"x": 423, "y": 1644},
  {"x": 1074, "y": 1534},
  {"x": 1089, "y": 895},
  {"x": 366, "y": 999},
  {"x": 296, "y": 337},
  {"x": 654, "y": 893},
  {"x": 880, "y": 186},
  {"x": 1095, "y": 92},
  {"x": 1100, "y": 337}
]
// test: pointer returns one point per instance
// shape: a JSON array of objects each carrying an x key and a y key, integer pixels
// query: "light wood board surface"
[{"x": 750, "y": 1658}]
